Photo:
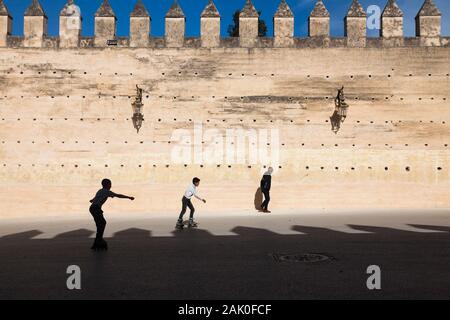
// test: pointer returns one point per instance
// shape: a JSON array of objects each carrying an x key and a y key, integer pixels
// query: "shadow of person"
[{"x": 258, "y": 199}]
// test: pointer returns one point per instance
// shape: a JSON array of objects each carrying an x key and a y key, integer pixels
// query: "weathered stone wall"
[
  {"x": 355, "y": 31},
  {"x": 283, "y": 32},
  {"x": 35, "y": 28},
  {"x": 210, "y": 32},
  {"x": 140, "y": 28},
  {"x": 65, "y": 123},
  {"x": 5, "y": 29},
  {"x": 392, "y": 27},
  {"x": 248, "y": 32},
  {"x": 429, "y": 26},
  {"x": 175, "y": 30},
  {"x": 70, "y": 32},
  {"x": 105, "y": 29},
  {"x": 319, "y": 27}
]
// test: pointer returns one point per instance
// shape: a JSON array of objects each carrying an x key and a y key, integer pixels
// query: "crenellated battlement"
[{"x": 428, "y": 28}]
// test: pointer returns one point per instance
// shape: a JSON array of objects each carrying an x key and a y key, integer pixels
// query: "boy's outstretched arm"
[
  {"x": 121, "y": 196},
  {"x": 200, "y": 198}
]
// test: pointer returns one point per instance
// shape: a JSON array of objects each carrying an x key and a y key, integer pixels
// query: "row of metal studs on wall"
[
  {"x": 408, "y": 169},
  {"x": 193, "y": 98},
  {"x": 235, "y": 120},
  {"x": 232, "y": 143},
  {"x": 370, "y": 76}
]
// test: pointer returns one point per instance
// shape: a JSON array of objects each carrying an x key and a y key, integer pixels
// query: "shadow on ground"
[{"x": 194, "y": 264}]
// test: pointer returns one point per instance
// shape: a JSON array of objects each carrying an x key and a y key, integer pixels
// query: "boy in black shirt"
[{"x": 97, "y": 213}]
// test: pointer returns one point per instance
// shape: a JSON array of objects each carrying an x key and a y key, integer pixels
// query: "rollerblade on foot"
[
  {"x": 192, "y": 224},
  {"x": 104, "y": 245},
  {"x": 179, "y": 225},
  {"x": 100, "y": 245}
]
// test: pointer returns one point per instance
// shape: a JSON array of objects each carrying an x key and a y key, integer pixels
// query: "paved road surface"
[{"x": 231, "y": 257}]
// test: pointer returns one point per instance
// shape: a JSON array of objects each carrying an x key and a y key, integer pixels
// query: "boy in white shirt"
[{"x": 190, "y": 192}]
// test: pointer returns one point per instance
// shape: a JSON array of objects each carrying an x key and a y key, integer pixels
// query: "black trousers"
[
  {"x": 265, "y": 204},
  {"x": 100, "y": 221},
  {"x": 186, "y": 203}
]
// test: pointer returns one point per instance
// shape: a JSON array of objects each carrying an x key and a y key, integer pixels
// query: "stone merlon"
[
  {"x": 175, "y": 11},
  {"x": 3, "y": 9},
  {"x": 140, "y": 10},
  {"x": 105, "y": 10},
  {"x": 35, "y": 9},
  {"x": 249, "y": 11},
  {"x": 320, "y": 11},
  {"x": 356, "y": 10},
  {"x": 428, "y": 24},
  {"x": 284, "y": 11},
  {"x": 210, "y": 11},
  {"x": 392, "y": 10},
  {"x": 70, "y": 10},
  {"x": 429, "y": 9}
]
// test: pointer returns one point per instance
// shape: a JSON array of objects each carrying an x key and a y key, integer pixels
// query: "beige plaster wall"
[{"x": 65, "y": 123}]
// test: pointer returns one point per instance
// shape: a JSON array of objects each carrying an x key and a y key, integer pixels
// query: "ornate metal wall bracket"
[
  {"x": 137, "y": 105},
  {"x": 340, "y": 111}
]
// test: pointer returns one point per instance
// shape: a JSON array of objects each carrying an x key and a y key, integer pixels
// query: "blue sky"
[{"x": 193, "y": 8}]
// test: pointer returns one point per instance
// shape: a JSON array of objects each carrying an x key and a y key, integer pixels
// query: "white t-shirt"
[{"x": 191, "y": 191}]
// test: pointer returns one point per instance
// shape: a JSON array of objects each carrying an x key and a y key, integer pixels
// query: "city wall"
[{"x": 66, "y": 117}]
